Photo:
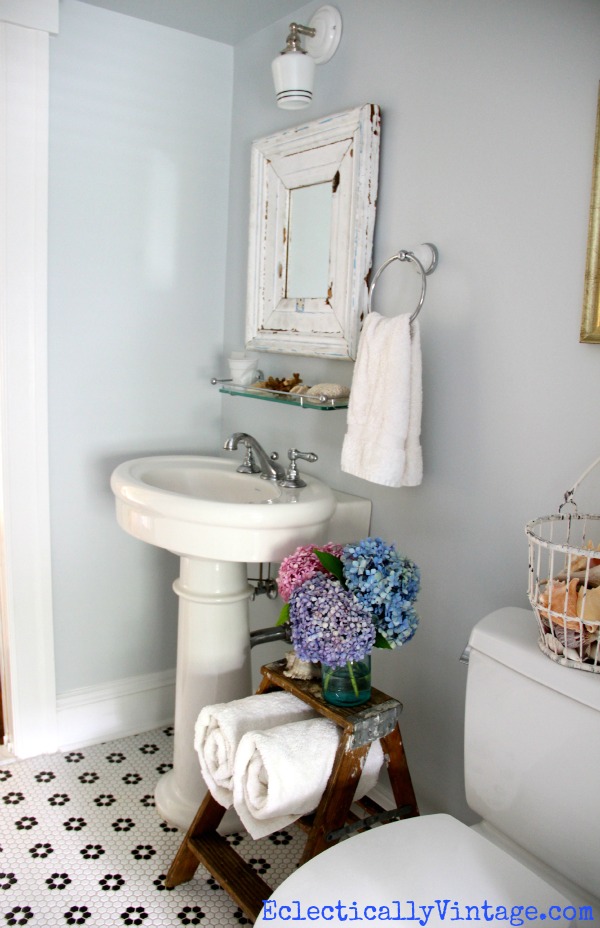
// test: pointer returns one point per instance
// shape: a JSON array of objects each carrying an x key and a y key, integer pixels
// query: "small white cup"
[{"x": 242, "y": 371}]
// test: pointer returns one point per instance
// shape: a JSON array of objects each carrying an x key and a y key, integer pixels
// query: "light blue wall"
[
  {"x": 140, "y": 120},
  {"x": 488, "y": 123},
  {"x": 488, "y": 113}
]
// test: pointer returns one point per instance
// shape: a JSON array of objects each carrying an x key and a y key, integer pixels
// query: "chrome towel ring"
[{"x": 426, "y": 264}]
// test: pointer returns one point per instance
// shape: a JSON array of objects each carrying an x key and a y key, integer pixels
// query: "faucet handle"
[
  {"x": 292, "y": 477},
  {"x": 248, "y": 465},
  {"x": 309, "y": 456}
]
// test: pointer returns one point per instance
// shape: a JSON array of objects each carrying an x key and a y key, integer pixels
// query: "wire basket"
[{"x": 564, "y": 583}]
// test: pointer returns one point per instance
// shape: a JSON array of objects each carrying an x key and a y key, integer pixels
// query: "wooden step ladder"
[{"x": 333, "y": 819}]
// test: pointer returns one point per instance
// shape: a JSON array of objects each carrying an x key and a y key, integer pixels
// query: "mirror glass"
[
  {"x": 313, "y": 193},
  {"x": 309, "y": 233}
]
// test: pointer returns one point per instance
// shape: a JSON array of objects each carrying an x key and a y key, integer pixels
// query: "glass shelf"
[{"x": 291, "y": 399}]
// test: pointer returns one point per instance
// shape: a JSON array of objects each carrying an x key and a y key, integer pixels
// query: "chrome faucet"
[{"x": 269, "y": 469}]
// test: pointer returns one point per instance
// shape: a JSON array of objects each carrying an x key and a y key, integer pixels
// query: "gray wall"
[
  {"x": 488, "y": 123},
  {"x": 488, "y": 113},
  {"x": 140, "y": 120}
]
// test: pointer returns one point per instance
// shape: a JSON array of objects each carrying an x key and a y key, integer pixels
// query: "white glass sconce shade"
[
  {"x": 293, "y": 75},
  {"x": 294, "y": 69}
]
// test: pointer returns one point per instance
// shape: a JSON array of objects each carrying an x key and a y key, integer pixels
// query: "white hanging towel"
[
  {"x": 220, "y": 727},
  {"x": 383, "y": 439},
  {"x": 281, "y": 774}
]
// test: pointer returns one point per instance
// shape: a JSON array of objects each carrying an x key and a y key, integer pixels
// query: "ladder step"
[{"x": 237, "y": 877}]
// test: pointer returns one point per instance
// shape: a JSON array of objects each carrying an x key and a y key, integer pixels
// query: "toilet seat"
[{"x": 433, "y": 861}]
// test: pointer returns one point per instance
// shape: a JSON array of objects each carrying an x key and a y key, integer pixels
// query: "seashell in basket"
[
  {"x": 592, "y": 652},
  {"x": 559, "y": 602},
  {"x": 588, "y": 607},
  {"x": 576, "y": 565},
  {"x": 591, "y": 576},
  {"x": 553, "y": 643},
  {"x": 567, "y": 637}
]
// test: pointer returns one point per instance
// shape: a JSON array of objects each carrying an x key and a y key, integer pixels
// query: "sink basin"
[{"x": 198, "y": 506}]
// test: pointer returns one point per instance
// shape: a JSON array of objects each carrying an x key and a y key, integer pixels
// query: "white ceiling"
[{"x": 227, "y": 21}]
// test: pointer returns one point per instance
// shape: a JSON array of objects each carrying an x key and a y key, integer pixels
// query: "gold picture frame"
[{"x": 590, "y": 318}]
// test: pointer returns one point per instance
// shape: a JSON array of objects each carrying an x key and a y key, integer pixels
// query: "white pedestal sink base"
[
  {"x": 213, "y": 666},
  {"x": 217, "y": 520}
]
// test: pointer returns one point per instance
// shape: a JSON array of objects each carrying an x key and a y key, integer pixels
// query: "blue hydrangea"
[
  {"x": 386, "y": 583},
  {"x": 328, "y": 623}
]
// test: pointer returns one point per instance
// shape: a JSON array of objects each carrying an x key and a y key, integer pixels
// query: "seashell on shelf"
[
  {"x": 279, "y": 384},
  {"x": 330, "y": 390}
]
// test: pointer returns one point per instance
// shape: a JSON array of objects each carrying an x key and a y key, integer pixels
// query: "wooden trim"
[
  {"x": 590, "y": 320},
  {"x": 115, "y": 710},
  {"x": 27, "y": 640}
]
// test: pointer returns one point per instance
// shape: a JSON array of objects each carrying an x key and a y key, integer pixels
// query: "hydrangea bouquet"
[{"x": 341, "y": 601}]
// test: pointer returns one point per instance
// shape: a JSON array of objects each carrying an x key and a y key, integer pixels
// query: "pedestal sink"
[{"x": 217, "y": 520}]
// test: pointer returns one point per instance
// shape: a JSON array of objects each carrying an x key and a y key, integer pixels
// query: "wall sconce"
[{"x": 294, "y": 68}]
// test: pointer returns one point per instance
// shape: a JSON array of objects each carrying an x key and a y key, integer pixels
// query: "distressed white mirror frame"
[{"x": 341, "y": 150}]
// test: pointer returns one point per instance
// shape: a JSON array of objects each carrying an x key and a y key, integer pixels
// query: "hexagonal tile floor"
[{"x": 81, "y": 843}]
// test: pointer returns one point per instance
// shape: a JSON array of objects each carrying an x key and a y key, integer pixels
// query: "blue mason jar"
[{"x": 348, "y": 685}]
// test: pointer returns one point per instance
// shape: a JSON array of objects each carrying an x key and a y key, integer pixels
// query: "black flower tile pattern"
[{"x": 83, "y": 844}]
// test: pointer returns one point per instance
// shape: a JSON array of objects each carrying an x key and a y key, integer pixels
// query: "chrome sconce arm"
[{"x": 294, "y": 68}]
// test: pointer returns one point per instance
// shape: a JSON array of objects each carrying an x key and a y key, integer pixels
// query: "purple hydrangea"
[{"x": 328, "y": 623}]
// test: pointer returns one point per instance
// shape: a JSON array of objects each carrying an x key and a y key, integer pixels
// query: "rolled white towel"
[
  {"x": 280, "y": 774},
  {"x": 220, "y": 727}
]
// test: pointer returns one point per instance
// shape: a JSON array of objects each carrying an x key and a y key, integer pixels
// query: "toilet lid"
[{"x": 389, "y": 873}]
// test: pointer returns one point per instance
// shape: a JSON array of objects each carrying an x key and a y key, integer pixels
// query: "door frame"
[{"x": 27, "y": 663}]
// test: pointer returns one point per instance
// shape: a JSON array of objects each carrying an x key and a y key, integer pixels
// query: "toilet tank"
[{"x": 532, "y": 746}]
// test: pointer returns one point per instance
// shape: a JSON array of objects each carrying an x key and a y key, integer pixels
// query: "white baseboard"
[
  {"x": 114, "y": 710},
  {"x": 94, "y": 714},
  {"x": 382, "y": 794}
]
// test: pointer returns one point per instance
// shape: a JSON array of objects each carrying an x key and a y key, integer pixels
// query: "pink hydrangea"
[{"x": 302, "y": 565}]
